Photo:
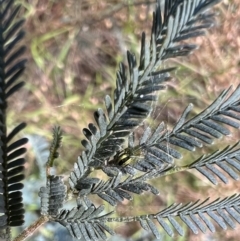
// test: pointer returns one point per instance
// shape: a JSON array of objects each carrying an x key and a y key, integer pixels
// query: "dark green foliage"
[
  {"x": 85, "y": 222},
  {"x": 196, "y": 215},
  {"x": 110, "y": 145},
  {"x": 179, "y": 20},
  {"x": 155, "y": 154},
  {"x": 190, "y": 134},
  {"x": 11, "y": 165},
  {"x": 52, "y": 196},
  {"x": 57, "y": 138},
  {"x": 227, "y": 160}
]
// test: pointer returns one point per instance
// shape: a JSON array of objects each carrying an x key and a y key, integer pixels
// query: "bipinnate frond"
[
  {"x": 135, "y": 93},
  {"x": 12, "y": 166},
  {"x": 198, "y": 216},
  {"x": 219, "y": 162},
  {"x": 56, "y": 143},
  {"x": 85, "y": 222},
  {"x": 159, "y": 154},
  {"x": 11, "y": 34},
  {"x": 52, "y": 196},
  {"x": 159, "y": 147},
  {"x": 114, "y": 190},
  {"x": 11, "y": 159},
  {"x": 55, "y": 192},
  {"x": 209, "y": 123}
]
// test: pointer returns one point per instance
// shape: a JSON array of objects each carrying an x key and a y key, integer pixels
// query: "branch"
[{"x": 32, "y": 228}]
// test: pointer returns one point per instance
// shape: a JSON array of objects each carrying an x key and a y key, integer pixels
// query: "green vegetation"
[{"x": 73, "y": 50}]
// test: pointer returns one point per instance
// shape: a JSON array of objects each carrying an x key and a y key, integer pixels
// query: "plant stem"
[
  {"x": 32, "y": 228},
  {"x": 176, "y": 169}
]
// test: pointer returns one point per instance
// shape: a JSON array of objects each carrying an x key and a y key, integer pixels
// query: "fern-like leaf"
[
  {"x": 135, "y": 93},
  {"x": 11, "y": 162},
  {"x": 221, "y": 162},
  {"x": 57, "y": 139},
  {"x": 158, "y": 148},
  {"x": 114, "y": 190},
  {"x": 85, "y": 222},
  {"x": 52, "y": 196},
  {"x": 198, "y": 216}
]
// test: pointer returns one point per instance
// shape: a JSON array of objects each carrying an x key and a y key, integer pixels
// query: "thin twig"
[
  {"x": 32, "y": 228},
  {"x": 176, "y": 169}
]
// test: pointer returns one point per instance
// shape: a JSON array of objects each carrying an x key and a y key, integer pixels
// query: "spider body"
[{"x": 128, "y": 156}]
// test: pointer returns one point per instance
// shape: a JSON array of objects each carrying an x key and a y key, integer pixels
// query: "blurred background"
[{"x": 73, "y": 51}]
